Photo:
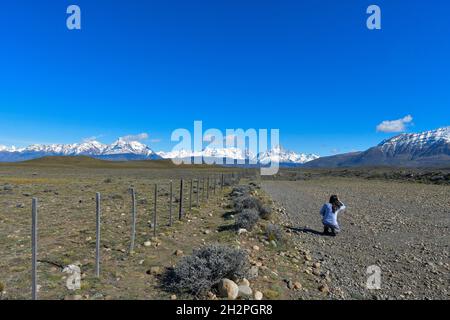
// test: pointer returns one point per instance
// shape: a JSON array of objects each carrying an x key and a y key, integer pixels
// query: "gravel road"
[{"x": 403, "y": 228}]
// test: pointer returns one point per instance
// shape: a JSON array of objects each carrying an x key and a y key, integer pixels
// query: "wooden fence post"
[
  {"x": 154, "y": 210},
  {"x": 221, "y": 182},
  {"x": 34, "y": 247},
  {"x": 207, "y": 189},
  {"x": 190, "y": 195},
  {"x": 133, "y": 219},
  {"x": 170, "y": 202},
  {"x": 215, "y": 182},
  {"x": 203, "y": 190},
  {"x": 180, "y": 210},
  {"x": 198, "y": 191},
  {"x": 98, "y": 233}
]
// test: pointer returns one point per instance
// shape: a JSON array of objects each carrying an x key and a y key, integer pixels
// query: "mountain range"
[
  {"x": 425, "y": 149},
  {"x": 123, "y": 150},
  {"x": 429, "y": 148}
]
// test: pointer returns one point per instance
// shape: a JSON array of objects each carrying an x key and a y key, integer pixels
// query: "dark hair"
[
  {"x": 335, "y": 203},
  {"x": 334, "y": 199}
]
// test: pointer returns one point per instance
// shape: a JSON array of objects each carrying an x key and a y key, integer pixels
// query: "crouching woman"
[{"x": 329, "y": 213}]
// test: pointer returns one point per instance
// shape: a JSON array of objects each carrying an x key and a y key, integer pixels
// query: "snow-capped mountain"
[
  {"x": 426, "y": 143},
  {"x": 429, "y": 148},
  {"x": 119, "y": 150},
  {"x": 278, "y": 154},
  {"x": 209, "y": 153},
  {"x": 275, "y": 154},
  {"x": 85, "y": 148},
  {"x": 123, "y": 149},
  {"x": 122, "y": 146}
]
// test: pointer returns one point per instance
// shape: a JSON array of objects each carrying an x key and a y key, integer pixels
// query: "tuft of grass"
[
  {"x": 2, "y": 289},
  {"x": 271, "y": 294},
  {"x": 274, "y": 232}
]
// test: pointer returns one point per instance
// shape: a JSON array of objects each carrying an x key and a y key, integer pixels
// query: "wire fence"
[{"x": 181, "y": 195}]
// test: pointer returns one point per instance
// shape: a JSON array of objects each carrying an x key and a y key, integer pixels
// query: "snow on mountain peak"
[
  {"x": 130, "y": 147},
  {"x": 279, "y": 154},
  {"x": 89, "y": 148},
  {"x": 122, "y": 146},
  {"x": 417, "y": 141},
  {"x": 276, "y": 154}
]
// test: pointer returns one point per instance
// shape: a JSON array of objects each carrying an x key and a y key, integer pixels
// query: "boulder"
[
  {"x": 228, "y": 289},
  {"x": 245, "y": 291},
  {"x": 258, "y": 295}
]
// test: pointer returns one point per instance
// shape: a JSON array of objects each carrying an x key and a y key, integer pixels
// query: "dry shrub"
[
  {"x": 198, "y": 273},
  {"x": 247, "y": 219}
]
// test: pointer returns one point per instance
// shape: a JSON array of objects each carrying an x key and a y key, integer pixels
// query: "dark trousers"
[{"x": 334, "y": 230}]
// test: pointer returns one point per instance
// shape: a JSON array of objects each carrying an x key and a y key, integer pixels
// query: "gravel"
[{"x": 403, "y": 228}]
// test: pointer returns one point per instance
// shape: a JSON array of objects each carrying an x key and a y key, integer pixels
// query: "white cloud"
[
  {"x": 135, "y": 137},
  {"x": 395, "y": 125}
]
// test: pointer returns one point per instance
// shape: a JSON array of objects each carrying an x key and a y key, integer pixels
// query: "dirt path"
[{"x": 403, "y": 228}]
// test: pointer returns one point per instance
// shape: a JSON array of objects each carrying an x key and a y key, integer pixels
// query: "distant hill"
[
  {"x": 425, "y": 149},
  {"x": 88, "y": 162}
]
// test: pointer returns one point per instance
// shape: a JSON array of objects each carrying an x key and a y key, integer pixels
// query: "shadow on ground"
[{"x": 308, "y": 231}]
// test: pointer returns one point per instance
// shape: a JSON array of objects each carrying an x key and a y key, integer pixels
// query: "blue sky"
[{"x": 310, "y": 68}]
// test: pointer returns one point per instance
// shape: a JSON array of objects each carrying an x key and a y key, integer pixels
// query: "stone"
[
  {"x": 244, "y": 282},
  {"x": 211, "y": 296},
  {"x": 258, "y": 295},
  {"x": 97, "y": 296},
  {"x": 173, "y": 297},
  {"x": 253, "y": 272},
  {"x": 256, "y": 248},
  {"x": 245, "y": 291},
  {"x": 297, "y": 285},
  {"x": 178, "y": 252},
  {"x": 242, "y": 231},
  {"x": 147, "y": 243},
  {"x": 324, "y": 288},
  {"x": 273, "y": 243},
  {"x": 155, "y": 270},
  {"x": 228, "y": 289},
  {"x": 290, "y": 284}
]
